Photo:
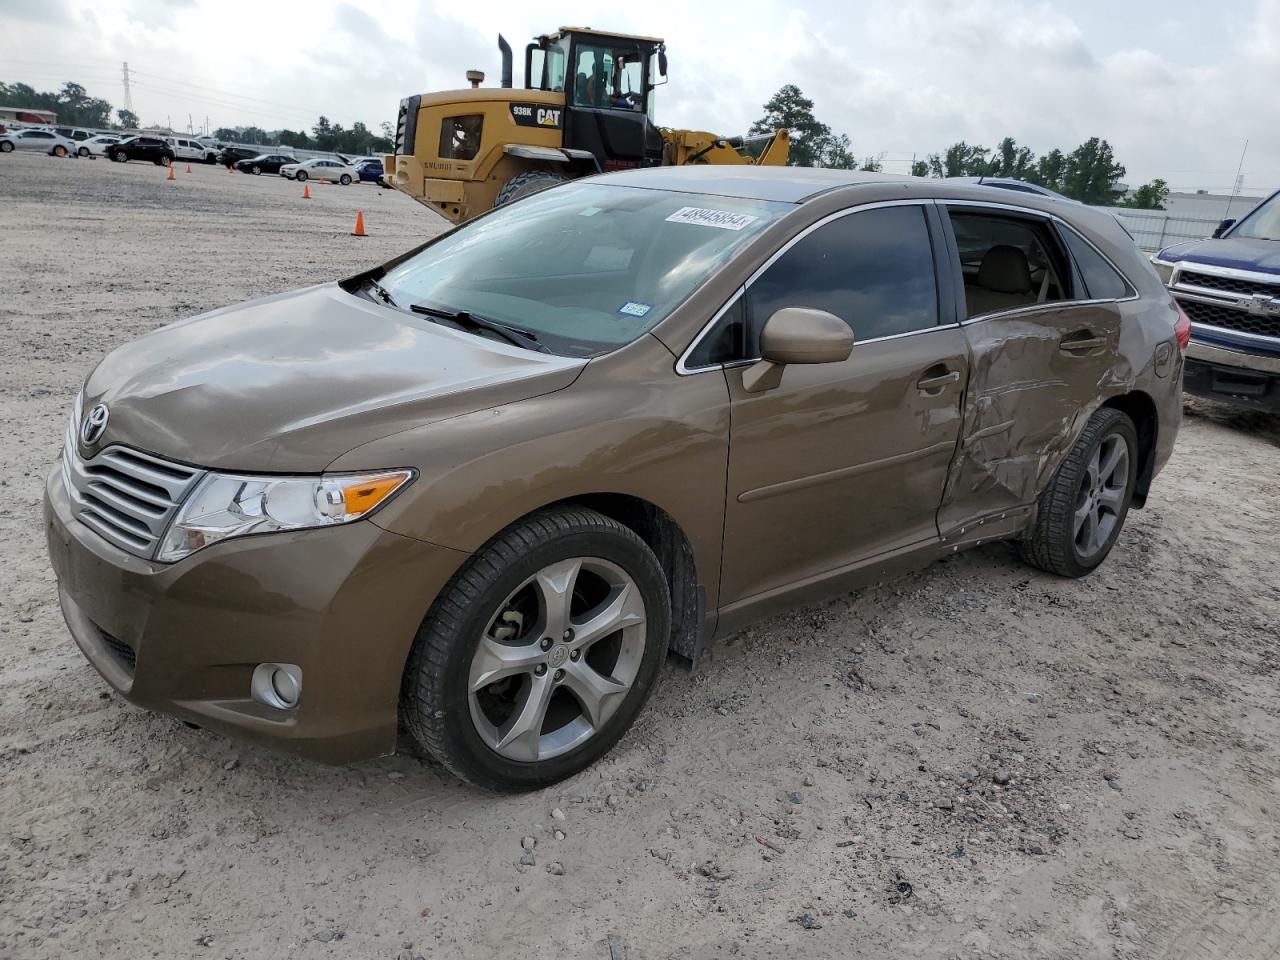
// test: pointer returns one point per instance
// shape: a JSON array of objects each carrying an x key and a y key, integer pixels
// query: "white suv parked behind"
[{"x": 187, "y": 148}]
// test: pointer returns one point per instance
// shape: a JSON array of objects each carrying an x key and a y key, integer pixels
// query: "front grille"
[
  {"x": 120, "y": 650},
  {"x": 125, "y": 496},
  {"x": 1229, "y": 318},
  {"x": 1246, "y": 288}
]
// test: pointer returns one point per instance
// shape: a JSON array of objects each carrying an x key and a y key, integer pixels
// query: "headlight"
[
  {"x": 1164, "y": 268},
  {"x": 226, "y": 505}
]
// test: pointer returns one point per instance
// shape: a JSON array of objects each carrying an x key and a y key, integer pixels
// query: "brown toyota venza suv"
[{"x": 485, "y": 488}]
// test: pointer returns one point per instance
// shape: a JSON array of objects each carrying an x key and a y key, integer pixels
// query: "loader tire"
[{"x": 527, "y": 184}]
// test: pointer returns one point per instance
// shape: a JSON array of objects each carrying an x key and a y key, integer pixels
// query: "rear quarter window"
[{"x": 1101, "y": 280}]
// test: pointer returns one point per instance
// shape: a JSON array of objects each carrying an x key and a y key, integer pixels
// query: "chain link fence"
[{"x": 1155, "y": 229}]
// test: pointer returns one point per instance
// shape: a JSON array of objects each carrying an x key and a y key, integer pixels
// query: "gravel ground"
[{"x": 976, "y": 761}]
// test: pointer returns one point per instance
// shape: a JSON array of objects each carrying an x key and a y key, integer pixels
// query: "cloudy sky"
[{"x": 1176, "y": 86}]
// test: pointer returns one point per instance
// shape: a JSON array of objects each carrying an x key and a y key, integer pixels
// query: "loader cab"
[{"x": 608, "y": 82}]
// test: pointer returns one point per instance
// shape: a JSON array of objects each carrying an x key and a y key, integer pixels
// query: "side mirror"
[
  {"x": 662, "y": 60},
  {"x": 797, "y": 335},
  {"x": 1223, "y": 227}
]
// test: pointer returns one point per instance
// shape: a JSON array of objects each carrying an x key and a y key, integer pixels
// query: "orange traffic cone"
[
  {"x": 188, "y": 168},
  {"x": 359, "y": 230},
  {"x": 171, "y": 176},
  {"x": 306, "y": 191}
]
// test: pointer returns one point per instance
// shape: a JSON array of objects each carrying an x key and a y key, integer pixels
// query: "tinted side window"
[
  {"x": 1008, "y": 262},
  {"x": 874, "y": 270},
  {"x": 726, "y": 342},
  {"x": 1099, "y": 276}
]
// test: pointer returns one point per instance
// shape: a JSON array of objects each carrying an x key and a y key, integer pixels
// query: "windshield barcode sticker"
[{"x": 723, "y": 219}]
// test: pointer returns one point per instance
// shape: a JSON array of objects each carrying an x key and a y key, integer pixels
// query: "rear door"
[
  {"x": 844, "y": 462},
  {"x": 1043, "y": 351}
]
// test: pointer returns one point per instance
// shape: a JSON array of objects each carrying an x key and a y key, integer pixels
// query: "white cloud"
[{"x": 1175, "y": 91}]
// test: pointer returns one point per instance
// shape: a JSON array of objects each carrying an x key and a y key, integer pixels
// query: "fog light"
[{"x": 277, "y": 685}]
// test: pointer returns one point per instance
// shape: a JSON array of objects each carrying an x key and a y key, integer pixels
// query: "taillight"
[{"x": 1182, "y": 329}]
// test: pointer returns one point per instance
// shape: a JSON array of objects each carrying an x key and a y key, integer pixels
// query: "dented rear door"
[{"x": 1036, "y": 375}]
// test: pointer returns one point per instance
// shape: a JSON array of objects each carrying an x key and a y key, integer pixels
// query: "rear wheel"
[
  {"x": 59, "y": 151},
  {"x": 1080, "y": 513},
  {"x": 527, "y": 184},
  {"x": 539, "y": 654}
]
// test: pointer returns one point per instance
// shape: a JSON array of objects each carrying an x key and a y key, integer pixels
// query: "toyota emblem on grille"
[{"x": 94, "y": 423}]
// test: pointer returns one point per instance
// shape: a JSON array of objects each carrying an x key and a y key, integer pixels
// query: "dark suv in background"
[
  {"x": 231, "y": 156},
  {"x": 141, "y": 148},
  {"x": 1229, "y": 285}
]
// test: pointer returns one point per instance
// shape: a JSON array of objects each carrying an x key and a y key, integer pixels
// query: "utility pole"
[
  {"x": 128, "y": 97},
  {"x": 1239, "y": 181},
  {"x": 190, "y": 129}
]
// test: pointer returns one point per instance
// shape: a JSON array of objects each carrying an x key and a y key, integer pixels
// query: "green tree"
[
  {"x": 128, "y": 119},
  {"x": 1149, "y": 196},
  {"x": 1011, "y": 160},
  {"x": 72, "y": 104},
  {"x": 812, "y": 143},
  {"x": 1091, "y": 173},
  {"x": 871, "y": 165},
  {"x": 960, "y": 160},
  {"x": 1050, "y": 170},
  {"x": 920, "y": 168}
]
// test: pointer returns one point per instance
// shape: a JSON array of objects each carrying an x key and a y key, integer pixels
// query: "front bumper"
[
  {"x": 1235, "y": 376},
  {"x": 344, "y": 604}
]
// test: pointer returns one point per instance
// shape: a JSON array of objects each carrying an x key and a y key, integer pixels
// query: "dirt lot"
[{"x": 976, "y": 761}]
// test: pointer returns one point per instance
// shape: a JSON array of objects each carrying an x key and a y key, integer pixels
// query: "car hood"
[
  {"x": 1237, "y": 253},
  {"x": 291, "y": 382}
]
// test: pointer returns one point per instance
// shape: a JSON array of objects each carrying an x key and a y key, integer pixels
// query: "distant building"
[
  {"x": 27, "y": 115},
  {"x": 1209, "y": 206}
]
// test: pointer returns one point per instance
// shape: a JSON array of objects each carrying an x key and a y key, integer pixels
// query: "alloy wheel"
[
  {"x": 1102, "y": 495},
  {"x": 557, "y": 659}
]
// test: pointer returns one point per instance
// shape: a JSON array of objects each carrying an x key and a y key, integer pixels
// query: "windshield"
[
  {"x": 584, "y": 267},
  {"x": 1263, "y": 223}
]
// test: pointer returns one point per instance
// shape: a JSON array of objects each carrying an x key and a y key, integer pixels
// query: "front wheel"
[
  {"x": 59, "y": 151},
  {"x": 540, "y": 652},
  {"x": 345, "y": 179},
  {"x": 257, "y": 170},
  {"x": 5, "y": 146},
  {"x": 83, "y": 152},
  {"x": 119, "y": 156},
  {"x": 300, "y": 176},
  {"x": 1081, "y": 511},
  {"x": 527, "y": 184}
]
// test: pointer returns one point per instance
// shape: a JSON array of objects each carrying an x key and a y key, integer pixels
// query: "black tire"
[
  {"x": 527, "y": 184},
  {"x": 5, "y": 146},
  {"x": 1051, "y": 543},
  {"x": 159, "y": 163},
  {"x": 345, "y": 179},
  {"x": 119, "y": 156},
  {"x": 300, "y": 176},
  {"x": 435, "y": 696},
  {"x": 82, "y": 152},
  {"x": 257, "y": 170},
  {"x": 59, "y": 151}
]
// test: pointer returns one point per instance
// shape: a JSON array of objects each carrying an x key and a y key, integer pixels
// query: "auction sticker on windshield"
[{"x": 723, "y": 219}]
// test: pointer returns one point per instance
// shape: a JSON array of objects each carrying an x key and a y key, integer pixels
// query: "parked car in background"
[
  {"x": 185, "y": 148},
  {"x": 370, "y": 171},
  {"x": 230, "y": 156},
  {"x": 320, "y": 168},
  {"x": 265, "y": 163},
  {"x": 75, "y": 134},
  {"x": 96, "y": 146},
  {"x": 46, "y": 141},
  {"x": 1229, "y": 285},
  {"x": 483, "y": 489},
  {"x": 141, "y": 148}
]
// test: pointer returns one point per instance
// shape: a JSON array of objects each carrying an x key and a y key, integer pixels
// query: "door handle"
[
  {"x": 1080, "y": 342},
  {"x": 935, "y": 381}
]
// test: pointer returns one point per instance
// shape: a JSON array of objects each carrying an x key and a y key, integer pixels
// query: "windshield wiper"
[{"x": 470, "y": 321}]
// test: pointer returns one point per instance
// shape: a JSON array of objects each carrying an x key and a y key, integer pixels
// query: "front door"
[
  {"x": 842, "y": 462},
  {"x": 1042, "y": 350}
]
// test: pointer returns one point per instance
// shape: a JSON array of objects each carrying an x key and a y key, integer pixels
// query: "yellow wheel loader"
[{"x": 586, "y": 107}]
